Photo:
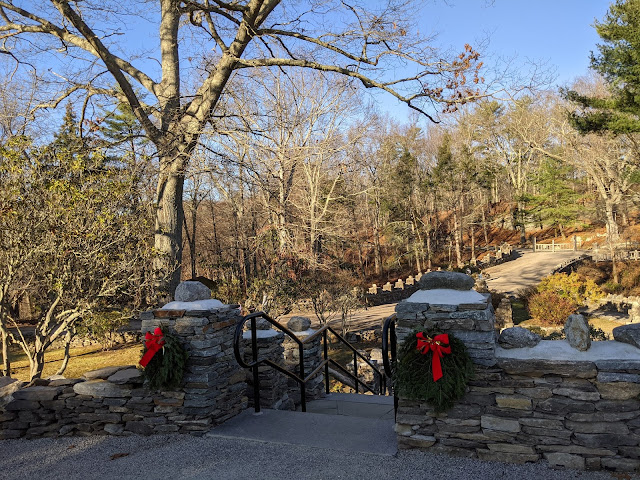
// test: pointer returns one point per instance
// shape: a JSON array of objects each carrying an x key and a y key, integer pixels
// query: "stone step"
[{"x": 345, "y": 431}]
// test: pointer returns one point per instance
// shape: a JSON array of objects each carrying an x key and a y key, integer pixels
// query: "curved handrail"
[
  {"x": 389, "y": 327},
  {"x": 301, "y": 379}
]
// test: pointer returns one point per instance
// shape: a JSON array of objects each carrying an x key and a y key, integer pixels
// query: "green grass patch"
[{"x": 519, "y": 311}]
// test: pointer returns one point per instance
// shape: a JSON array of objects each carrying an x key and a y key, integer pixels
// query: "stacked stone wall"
[
  {"x": 571, "y": 408},
  {"x": 114, "y": 400},
  {"x": 581, "y": 415}
]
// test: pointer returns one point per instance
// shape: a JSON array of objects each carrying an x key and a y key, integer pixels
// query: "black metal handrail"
[
  {"x": 389, "y": 345},
  {"x": 301, "y": 379}
]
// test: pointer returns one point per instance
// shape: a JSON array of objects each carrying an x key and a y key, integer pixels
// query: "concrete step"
[
  {"x": 351, "y": 404},
  {"x": 366, "y": 433}
]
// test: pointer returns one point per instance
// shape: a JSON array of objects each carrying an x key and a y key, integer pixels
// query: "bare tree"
[{"x": 92, "y": 51}]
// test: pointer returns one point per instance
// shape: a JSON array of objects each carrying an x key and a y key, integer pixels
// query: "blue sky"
[{"x": 558, "y": 33}]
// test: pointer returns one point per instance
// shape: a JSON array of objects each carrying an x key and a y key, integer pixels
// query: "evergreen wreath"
[
  {"x": 413, "y": 377},
  {"x": 166, "y": 368}
]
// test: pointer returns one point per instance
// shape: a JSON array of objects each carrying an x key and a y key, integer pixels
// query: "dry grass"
[{"x": 82, "y": 360}]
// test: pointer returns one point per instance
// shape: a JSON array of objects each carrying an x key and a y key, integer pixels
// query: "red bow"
[
  {"x": 153, "y": 342},
  {"x": 436, "y": 345}
]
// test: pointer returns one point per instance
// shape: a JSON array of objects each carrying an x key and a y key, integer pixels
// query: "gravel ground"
[{"x": 186, "y": 456}]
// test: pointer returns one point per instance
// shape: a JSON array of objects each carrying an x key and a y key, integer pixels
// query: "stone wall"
[
  {"x": 550, "y": 402},
  {"x": 578, "y": 414},
  {"x": 114, "y": 401}
]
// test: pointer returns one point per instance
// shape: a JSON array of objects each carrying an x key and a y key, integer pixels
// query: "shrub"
[
  {"x": 549, "y": 308},
  {"x": 592, "y": 271},
  {"x": 102, "y": 325},
  {"x": 630, "y": 275},
  {"x": 597, "y": 334},
  {"x": 574, "y": 287},
  {"x": 611, "y": 287}
]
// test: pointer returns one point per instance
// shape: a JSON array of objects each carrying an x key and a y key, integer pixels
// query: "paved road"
[{"x": 527, "y": 270}]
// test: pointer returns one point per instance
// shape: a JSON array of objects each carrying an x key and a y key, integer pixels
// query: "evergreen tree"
[
  {"x": 556, "y": 204},
  {"x": 618, "y": 61}
]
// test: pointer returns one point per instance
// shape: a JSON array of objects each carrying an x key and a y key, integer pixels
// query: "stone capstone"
[
  {"x": 100, "y": 388},
  {"x": 103, "y": 373},
  {"x": 628, "y": 334},
  {"x": 299, "y": 324},
  {"x": 128, "y": 375},
  {"x": 36, "y": 393},
  {"x": 518, "y": 337},
  {"x": 446, "y": 280},
  {"x": 576, "y": 331},
  {"x": 191, "y": 291}
]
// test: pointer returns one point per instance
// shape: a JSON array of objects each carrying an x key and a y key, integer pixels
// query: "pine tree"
[{"x": 618, "y": 61}]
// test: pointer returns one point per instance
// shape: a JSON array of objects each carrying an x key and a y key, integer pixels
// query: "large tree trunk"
[{"x": 168, "y": 232}]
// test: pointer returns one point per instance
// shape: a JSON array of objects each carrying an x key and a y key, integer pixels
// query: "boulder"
[
  {"x": 299, "y": 324},
  {"x": 576, "y": 331},
  {"x": 448, "y": 280},
  {"x": 628, "y": 334},
  {"x": 518, "y": 337},
  {"x": 191, "y": 291}
]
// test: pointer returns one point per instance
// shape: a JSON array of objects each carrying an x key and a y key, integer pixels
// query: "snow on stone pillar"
[
  {"x": 446, "y": 302},
  {"x": 312, "y": 352}
]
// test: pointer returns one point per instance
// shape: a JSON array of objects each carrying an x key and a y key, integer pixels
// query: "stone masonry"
[
  {"x": 312, "y": 354},
  {"x": 574, "y": 409},
  {"x": 114, "y": 401}
]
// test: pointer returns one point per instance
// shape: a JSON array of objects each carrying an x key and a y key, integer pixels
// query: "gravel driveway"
[{"x": 189, "y": 457}]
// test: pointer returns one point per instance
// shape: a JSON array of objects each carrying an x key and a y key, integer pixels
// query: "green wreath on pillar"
[
  {"x": 164, "y": 360},
  {"x": 433, "y": 367}
]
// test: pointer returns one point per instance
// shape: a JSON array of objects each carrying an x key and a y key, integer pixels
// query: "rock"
[
  {"x": 128, "y": 375},
  {"x": 100, "y": 388},
  {"x": 299, "y": 324},
  {"x": 518, "y": 337},
  {"x": 628, "y": 334},
  {"x": 504, "y": 314},
  {"x": 103, "y": 373},
  {"x": 4, "y": 381},
  {"x": 36, "y": 394},
  {"x": 576, "y": 330},
  {"x": 191, "y": 291},
  {"x": 447, "y": 280},
  {"x": 481, "y": 285},
  {"x": 6, "y": 392}
]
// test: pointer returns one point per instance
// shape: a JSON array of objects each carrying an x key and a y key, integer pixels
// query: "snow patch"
[
  {"x": 211, "y": 304},
  {"x": 446, "y": 296},
  {"x": 561, "y": 350}
]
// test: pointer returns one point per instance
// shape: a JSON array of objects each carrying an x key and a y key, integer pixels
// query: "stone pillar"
[
  {"x": 447, "y": 303},
  {"x": 312, "y": 354},
  {"x": 213, "y": 381},
  {"x": 273, "y": 384}
]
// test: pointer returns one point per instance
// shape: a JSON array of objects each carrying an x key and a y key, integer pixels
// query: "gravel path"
[
  {"x": 526, "y": 270},
  {"x": 189, "y": 457}
]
